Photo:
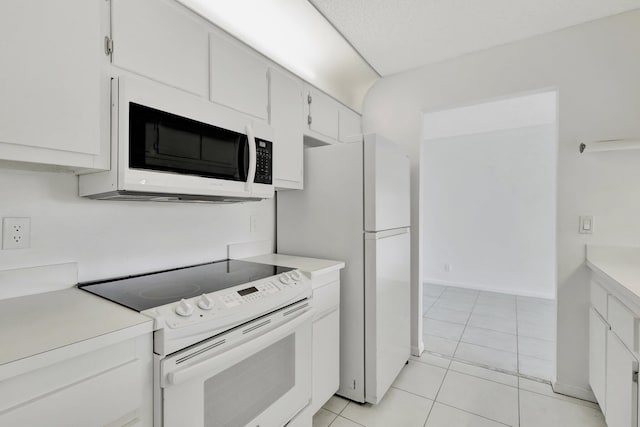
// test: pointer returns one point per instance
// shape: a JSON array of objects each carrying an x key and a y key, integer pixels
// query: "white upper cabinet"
[
  {"x": 322, "y": 115},
  {"x": 238, "y": 76},
  {"x": 285, "y": 116},
  {"x": 52, "y": 92},
  {"x": 162, "y": 40},
  {"x": 350, "y": 125}
]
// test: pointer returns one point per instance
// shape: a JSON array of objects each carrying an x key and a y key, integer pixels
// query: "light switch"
[{"x": 586, "y": 224}]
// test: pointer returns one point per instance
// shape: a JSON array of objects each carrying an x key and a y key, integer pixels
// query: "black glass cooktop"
[{"x": 152, "y": 290}]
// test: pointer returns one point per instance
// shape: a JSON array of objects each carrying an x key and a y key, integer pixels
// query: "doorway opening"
[{"x": 488, "y": 189}]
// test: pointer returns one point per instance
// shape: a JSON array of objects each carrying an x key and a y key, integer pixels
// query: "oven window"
[
  {"x": 162, "y": 141},
  {"x": 237, "y": 395}
]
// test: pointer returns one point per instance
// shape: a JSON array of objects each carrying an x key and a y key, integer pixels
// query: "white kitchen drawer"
[
  {"x": 599, "y": 299},
  {"x": 623, "y": 323},
  {"x": 326, "y": 299},
  {"x": 94, "y": 401}
]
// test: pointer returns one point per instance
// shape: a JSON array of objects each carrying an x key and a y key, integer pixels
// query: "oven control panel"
[{"x": 259, "y": 295}]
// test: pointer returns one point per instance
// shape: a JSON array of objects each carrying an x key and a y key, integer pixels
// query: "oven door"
[{"x": 256, "y": 375}]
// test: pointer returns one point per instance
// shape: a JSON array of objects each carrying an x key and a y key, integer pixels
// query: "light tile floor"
[
  {"x": 505, "y": 332},
  {"x": 433, "y": 391}
]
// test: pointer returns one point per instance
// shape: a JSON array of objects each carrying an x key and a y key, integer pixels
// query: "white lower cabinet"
[
  {"x": 112, "y": 386},
  {"x": 621, "y": 384},
  {"x": 598, "y": 330},
  {"x": 613, "y": 365},
  {"x": 326, "y": 344},
  {"x": 326, "y": 359}
]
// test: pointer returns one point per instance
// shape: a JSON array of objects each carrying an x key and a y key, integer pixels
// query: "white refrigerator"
[{"x": 355, "y": 208}]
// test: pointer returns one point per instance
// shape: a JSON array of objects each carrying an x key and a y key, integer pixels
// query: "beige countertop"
[
  {"x": 620, "y": 264},
  {"x": 35, "y": 324},
  {"x": 314, "y": 267}
]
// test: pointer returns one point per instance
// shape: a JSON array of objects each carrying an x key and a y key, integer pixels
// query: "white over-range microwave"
[{"x": 168, "y": 145}]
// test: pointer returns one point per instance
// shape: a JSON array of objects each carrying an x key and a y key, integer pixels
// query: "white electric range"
[{"x": 232, "y": 341}]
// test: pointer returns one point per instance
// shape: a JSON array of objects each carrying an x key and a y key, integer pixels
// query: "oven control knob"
[
  {"x": 205, "y": 302},
  {"x": 184, "y": 308},
  {"x": 285, "y": 279},
  {"x": 295, "y": 274}
]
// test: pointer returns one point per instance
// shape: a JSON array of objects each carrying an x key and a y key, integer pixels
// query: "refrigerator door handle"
[{"x": 377, "y": 235}]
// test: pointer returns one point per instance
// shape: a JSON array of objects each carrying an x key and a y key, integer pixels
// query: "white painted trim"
[
  {"x": 417, "y": 351},
  {"x": 481, "y": 287},
  {"x": 573, "y": 391},
  {"x": 23, "y": 281}
]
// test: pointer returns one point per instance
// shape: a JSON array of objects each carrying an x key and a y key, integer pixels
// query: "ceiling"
[
  {"x": 398, "y": 35},
  {"x": 293, "y": 34}
]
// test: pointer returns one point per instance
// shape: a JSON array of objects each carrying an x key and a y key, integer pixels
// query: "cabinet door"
[
  {"x": 350, "y": 125},
  {"x": 163, "y": 40},
  {"x": 621, "y": 384},
  {"x": 51, "y": 84},
  {"x": 323, "y": 114},
  {"x": 238, "y": 76},
  {"x": 285, "y": 114},
  {"x": 326, "y": 359},
  {"x": 598, "y": 329}
]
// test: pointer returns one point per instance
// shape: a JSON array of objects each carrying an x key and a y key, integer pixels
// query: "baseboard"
[
  {"x": 480, "y": 287},
  {"x": 417, "y": 351},
  {"x": 573, "y": 391}
]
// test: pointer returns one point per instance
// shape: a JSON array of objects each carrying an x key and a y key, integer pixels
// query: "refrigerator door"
[
  {"x": 326, "y": 221},
  {"x": 387, "y": 307},
  {"x": 386, "y": 185}
]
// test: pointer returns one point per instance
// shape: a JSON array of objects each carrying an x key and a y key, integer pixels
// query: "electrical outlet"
[
  {"x": 16, "y": 233},
  {"x": 253, "y": 224},
  {"x": 447, "y": 267}
]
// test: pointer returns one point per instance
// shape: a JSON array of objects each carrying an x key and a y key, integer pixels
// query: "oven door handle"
[
  {"x": 222, "y": 361},
  {"x": 251, "y": 173}
]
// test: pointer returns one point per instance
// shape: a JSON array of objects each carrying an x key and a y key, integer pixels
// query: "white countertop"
[
  {"x": 314, "y": 267},
  {"x": 35, "y": 324},
  {"x": 620, "y": 264}
]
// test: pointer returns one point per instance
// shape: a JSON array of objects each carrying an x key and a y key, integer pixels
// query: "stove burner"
[{"x": 175, "y": 291}]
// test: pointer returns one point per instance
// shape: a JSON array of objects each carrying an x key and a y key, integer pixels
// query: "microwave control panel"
[{"x": 264, "y": 160}]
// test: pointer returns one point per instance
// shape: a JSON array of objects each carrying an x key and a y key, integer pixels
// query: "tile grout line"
[
  {"x": 474, "y": 414},
  {"x": 475, "y": 301},
  {"x": 445, "y": 372},
  {"x": 435, "y": 398}
]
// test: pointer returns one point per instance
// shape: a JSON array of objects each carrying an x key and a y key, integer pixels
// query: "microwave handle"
[{"x": 251, "y": 174}]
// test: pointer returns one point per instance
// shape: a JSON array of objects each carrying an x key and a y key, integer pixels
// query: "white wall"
[
  {"x": 489, "y": 210},
  {"x": 596, "y": 68},
  {"x": 110, "y": 238}
]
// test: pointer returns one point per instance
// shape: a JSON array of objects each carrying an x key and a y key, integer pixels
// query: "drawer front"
[
  {"x": 599, "y": 299},
  {"x": 326, "y": 299},
  {"x": 623, "y": 323}
]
